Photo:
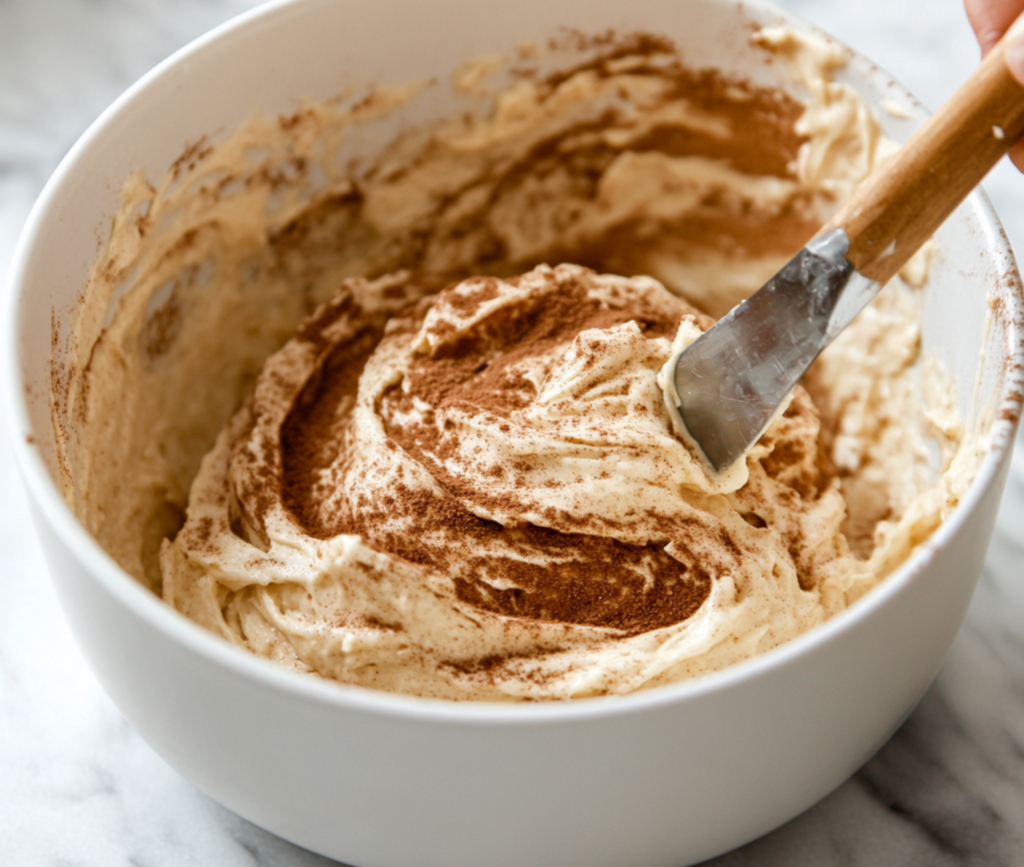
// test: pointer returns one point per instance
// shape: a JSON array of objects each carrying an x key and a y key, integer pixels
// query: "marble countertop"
[{"x": 79, "y": 787}]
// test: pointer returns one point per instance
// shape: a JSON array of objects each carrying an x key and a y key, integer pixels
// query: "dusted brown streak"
[
  {"x": 313, "y": 434},
  {"x": 585, "y": 580},
  {"x": 478, "y": 364}
]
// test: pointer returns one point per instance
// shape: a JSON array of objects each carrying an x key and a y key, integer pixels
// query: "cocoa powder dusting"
[
  {"x": 522, "y": 571},
  {"x": 312, "y": 436}
]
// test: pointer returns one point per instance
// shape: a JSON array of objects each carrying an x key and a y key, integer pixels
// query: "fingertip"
[
  {"x": 1015, "y": 49},
  {"x": 1017, "y": 155},
  {"x": 990, "y": 19}
]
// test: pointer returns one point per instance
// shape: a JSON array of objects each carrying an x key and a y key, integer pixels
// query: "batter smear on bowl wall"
[{"x": 393, "y": 387}]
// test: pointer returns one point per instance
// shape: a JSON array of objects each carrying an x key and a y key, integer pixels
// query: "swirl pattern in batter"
[
  {"x": 469, "y": 488},
  {"x": 478, "y": 494}
]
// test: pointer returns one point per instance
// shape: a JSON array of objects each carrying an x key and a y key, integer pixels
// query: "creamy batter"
[{"x": 458, "y": 479}]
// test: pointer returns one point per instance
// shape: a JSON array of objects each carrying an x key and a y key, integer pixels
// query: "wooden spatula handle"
[{"x": 908, "y": 197}]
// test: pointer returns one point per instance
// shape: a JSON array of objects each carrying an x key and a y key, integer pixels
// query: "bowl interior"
[{"x": 284, "y": 52}]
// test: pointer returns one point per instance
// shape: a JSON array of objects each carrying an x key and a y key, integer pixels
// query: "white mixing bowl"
[{"x": 668, "y": 777}]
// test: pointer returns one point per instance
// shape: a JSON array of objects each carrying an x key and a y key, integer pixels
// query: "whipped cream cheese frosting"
[
  {"x": 493, "y": 503},
  {"x": 379, "y": 434}
]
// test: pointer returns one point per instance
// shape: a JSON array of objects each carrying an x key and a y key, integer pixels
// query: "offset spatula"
[{"x": 733, "y": 378}]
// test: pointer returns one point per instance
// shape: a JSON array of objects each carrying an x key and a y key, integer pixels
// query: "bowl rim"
[{"x": 155, "y": 613}]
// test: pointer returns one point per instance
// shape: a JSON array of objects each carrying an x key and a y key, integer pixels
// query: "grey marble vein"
[{"x": 79, "y": 787}]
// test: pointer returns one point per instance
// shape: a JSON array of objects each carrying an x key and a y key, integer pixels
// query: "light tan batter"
[{"x": 477, "y": 494}]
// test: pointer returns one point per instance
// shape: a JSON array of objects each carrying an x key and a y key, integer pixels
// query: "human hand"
[{"x": 990, "y": 20}]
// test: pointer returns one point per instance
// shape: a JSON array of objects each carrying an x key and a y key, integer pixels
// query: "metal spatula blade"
[{"x": 732, "y": 379}]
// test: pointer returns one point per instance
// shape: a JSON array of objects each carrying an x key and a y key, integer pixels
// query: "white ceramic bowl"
[{"x": 668, "y": 777}]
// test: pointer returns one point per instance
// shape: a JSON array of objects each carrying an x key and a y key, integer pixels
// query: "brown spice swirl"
[{"x": 451, "y": 436}]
